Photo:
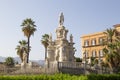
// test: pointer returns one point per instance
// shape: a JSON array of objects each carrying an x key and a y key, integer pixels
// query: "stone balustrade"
[{"x": 70, "y": 65}]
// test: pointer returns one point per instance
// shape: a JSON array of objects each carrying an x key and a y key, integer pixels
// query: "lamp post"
[
  {"x": 85, "y": 62},
  {"x": 100, "y": 71}
]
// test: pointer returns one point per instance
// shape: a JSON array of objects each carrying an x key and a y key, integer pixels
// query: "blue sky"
[{"x": 81, "y": 17}]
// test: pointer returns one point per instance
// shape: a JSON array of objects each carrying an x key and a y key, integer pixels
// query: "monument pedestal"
[{"x": 26, "y": 65}]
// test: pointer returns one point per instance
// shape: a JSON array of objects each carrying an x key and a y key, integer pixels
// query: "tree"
[
  {"x": 28, "y": 27},
  {"x": 21, "y": 48},
  {"x": 112, "y": 49},
  {"x": 96, "y": 61},
  {"x": 44, "y": 41},
  {"x": 9, "y": 61},
  {"x": 110, "y": 35},
  {"x": 78, "y": 59}
]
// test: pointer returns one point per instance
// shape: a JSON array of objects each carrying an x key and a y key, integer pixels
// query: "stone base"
[
  {"x": 26, "y": 65},
  {"x": 51, "y": 67}
]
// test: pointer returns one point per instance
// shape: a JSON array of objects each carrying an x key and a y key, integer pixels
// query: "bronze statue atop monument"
[{"x": 61, "y": 19}]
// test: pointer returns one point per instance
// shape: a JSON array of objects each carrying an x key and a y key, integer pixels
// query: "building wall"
[{"x": 91, "y": 45}]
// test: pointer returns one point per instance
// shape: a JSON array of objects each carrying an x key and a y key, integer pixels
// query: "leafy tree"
[
  {"x": 44, "y": 41},
  {"x": 9, "y": 61},
  {"x": 78, "y": 59},
  {"x": 21, "y": 48},
  {"x": 92, "y": 59},
  {"x": 28, "y": 28},
  {"x": 96, "y": 61}
]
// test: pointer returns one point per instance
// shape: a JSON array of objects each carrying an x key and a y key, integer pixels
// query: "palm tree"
[
  {"x": 110, "y": 35},
  {"x": 111, "y": 50},
  {"x": 108, "y": 50},
  {"x": 44, "y": 41},
  {"x": 21, "y": 48},
  {"x": 28, "y": 29}
]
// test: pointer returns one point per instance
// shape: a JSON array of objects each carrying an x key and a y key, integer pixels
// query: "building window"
[
  {"x": 93, "y": 42},
  {"x": 100, "y": 40},
  {"x": 87, "y": 54},
  {"x": 101, "y": 53},
  {"x": 94, "y": 53},
  {"x": 86, "y": 43}
]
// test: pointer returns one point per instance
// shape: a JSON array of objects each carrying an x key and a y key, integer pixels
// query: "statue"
[
  {"x": 57, "y": 54},
  {"x": 50, "y": 37},
  {"x": 71, "y": 38},
  {"x": 64, "y": 34},
  {"x": 24, "y": 57},
  {"x": 24, "y": 63},
  {"x": 61, "y": 20}
]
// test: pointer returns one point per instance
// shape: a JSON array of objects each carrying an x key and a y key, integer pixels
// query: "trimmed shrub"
[{"x": 62, "y": 77}]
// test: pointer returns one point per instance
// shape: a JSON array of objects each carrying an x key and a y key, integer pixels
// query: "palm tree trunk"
[
  {"x": 111, "y": 68},
  {"x": 45, "y": 53},
  {"x": 28, "y": 49}
]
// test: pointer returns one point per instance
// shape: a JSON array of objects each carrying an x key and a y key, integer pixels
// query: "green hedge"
[
  {"x": 61, "y": 77},
  {"x": 103, "y": 77}
]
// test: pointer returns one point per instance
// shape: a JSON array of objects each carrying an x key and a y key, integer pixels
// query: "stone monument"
[{"x": 60, "y": 50}]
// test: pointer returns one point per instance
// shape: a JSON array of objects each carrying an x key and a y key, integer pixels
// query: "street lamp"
[
  {"x": 100, "y": 67},
  {"x": 85, "y": 62}
]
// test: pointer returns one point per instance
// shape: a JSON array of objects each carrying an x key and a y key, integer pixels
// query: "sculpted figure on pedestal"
[
  {"x": 24, "y": 57},
  {"x": 61, "y": 19},
  {"x": 57, "y": 54},
  {"x": 24, "y": 63},
  {"x": 50, "y": 37},
  {"x": 64, "y": 34},
  {"x": 71, "y": 38}
]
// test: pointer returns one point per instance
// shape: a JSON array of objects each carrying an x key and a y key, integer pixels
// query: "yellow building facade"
[{"x": 92, "y": 45}]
